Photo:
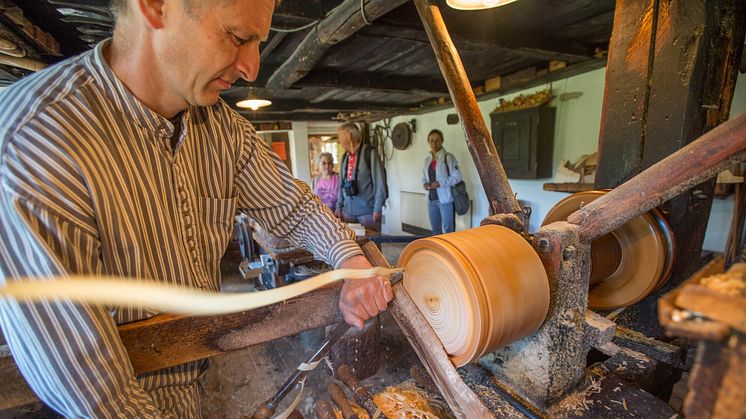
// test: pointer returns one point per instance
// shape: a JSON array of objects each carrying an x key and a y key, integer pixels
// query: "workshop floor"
[{"x": 237, "y": 383}]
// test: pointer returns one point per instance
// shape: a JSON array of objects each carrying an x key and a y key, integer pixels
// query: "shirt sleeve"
[
  {"x": 285, "y": 206},
  {"x": 70, "y": 354}
]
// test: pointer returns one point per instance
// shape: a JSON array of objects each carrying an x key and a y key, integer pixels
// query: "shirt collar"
[
  {"x": 439, "y": 155},
  {"x": 123, "y": 99}
]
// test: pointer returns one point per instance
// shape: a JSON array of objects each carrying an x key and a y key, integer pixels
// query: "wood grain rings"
[
  {"x": 480, "y": 289},
  {"x": 630, "y": 262}
]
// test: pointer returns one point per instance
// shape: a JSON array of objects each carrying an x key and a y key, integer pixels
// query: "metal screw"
[
  {"x": 543, "y": 244},
  {"x": 569, "y": 252}
]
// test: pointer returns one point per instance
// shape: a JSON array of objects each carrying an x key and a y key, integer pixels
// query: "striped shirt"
[{"x": 92, "y": 185}]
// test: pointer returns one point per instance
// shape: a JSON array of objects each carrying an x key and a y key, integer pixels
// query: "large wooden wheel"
[
  {"x": 630, "y": 262},
  {"x": 480, "y": 289}
]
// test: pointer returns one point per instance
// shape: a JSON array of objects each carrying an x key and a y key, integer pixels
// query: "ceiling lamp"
[
  {"x": 477, "y": 4},
  {"x": 253, "y": 102}
]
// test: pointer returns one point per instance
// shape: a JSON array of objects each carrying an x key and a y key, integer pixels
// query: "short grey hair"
[
  {"x": 118, "y": 8},
  {"x": 323, "y": 155},
  {"x": 353, "y": 129}
]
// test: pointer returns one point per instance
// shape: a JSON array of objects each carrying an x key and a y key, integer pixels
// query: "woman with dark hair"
[{"x": 438, "y": 175}]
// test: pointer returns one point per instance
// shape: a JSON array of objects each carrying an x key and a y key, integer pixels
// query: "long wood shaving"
[{"x": 118, "y": 291}]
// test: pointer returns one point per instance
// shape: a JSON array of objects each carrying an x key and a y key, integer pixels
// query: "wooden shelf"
[{"x": 568, "y": 187}]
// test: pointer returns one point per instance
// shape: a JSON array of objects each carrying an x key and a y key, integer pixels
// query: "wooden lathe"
[{"x": 542, "y": 374}]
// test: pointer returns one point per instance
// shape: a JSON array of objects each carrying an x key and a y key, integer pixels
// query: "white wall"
[
  {"x": 576, "y": 133},
  {"x": 299, "y": 152}
]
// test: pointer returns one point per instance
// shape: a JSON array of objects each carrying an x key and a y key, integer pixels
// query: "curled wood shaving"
[
  {"x": 406, "y": 401},
  {"x": 118, "y": 291}
]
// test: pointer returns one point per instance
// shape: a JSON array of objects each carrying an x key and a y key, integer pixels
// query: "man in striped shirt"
[{"x": 123, "y": 161}]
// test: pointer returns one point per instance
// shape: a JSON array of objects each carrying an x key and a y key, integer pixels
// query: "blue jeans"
[{"x": 442, "y": 217}]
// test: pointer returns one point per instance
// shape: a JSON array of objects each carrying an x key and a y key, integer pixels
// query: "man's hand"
[
  {"x": 338, "y": 213},
  {"x": 362, "y": 299},
  {"x": 377, "y": 216},
  {"x": 426, "y": 186},
  {"x": 435, "y": 185}
]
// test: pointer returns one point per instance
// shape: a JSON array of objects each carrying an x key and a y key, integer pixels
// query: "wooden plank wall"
[{"x": 670, "y": 78}]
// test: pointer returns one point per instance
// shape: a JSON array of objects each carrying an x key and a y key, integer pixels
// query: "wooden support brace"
[
  {"x": 478, "y": 138},
  {"x": 461, "y": 399},
  {"x": 691, "y": 165}
]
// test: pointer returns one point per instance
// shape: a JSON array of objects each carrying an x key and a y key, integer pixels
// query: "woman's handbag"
[
  {"x": 461, "y": 201},
  {"x": 460, "y": 198}
]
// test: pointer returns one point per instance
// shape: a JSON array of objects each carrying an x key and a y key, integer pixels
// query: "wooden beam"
[
  {"x": 165, "y": 341},
  {"x": 373, "y": 82},
  {"x": 315, "y": 9},
  {"x": 277, "y": 38},
  {"x": 465, "y": 41},
  {"x": 494, "y": 180},
  {"x": 693, "y": 164},
  {"x": 290, "y": 105},
  {"x": 462, "y": 400},
  {"x": 340, "y": 23},
  {"x": 288, "y": 116}
]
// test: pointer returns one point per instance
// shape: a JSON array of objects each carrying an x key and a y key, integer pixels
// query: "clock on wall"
[{"x": 401, "y": 137}]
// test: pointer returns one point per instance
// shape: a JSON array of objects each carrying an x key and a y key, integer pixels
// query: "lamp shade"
[
  {"x": 477, "y": 4},
  {"x": 253, "y": 102}
]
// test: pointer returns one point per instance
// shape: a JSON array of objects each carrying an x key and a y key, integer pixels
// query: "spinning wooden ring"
[
  {"x": 630, "y": 262},
  {"x": 480, "y": 289}
]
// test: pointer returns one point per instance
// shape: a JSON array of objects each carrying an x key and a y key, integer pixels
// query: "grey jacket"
[{"x": 370, "y": 184}]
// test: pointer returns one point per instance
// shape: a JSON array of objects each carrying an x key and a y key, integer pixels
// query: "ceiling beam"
[
  {"x": 270, "y": 46},
  {"x": 291, "y": 105},
  {"x": 529, "y": 49},
  {"x": 374, "y": 82},
  {"x": 342, "y": 22},
  {"x": 309, "y": 9},
  {"x": 256, "y": 117}
]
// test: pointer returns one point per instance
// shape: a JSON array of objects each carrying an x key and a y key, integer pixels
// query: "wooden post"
[
  {"x": 670, "y": 78},
  {"x": 491, "y": 172}
]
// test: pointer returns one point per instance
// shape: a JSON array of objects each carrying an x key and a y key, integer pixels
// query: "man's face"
[
  {"x": 345, "y": 140},
  {"x": 205, "y": 50}
]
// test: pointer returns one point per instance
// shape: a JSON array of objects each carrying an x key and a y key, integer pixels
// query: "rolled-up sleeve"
[{"x": 287, "y": 207}]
